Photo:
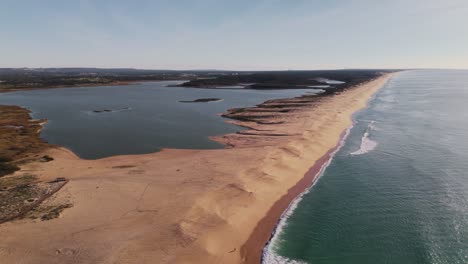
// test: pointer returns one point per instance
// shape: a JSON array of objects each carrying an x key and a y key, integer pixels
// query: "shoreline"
[
  {"x": 256, "y": 248},
  {"x": 266, "y": 228},
  {"x": 121, "y": 209}
]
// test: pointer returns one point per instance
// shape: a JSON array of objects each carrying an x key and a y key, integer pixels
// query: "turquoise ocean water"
[{"x": 397, "y": 190}]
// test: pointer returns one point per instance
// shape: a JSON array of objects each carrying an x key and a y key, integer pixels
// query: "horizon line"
[{"x": 232, "y": 70}]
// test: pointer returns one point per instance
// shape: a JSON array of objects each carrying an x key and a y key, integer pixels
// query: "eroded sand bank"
[{"x": 179, "y": 206}]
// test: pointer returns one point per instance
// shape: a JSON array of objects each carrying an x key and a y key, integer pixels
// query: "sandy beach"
[{"x": 184, "y": 206}]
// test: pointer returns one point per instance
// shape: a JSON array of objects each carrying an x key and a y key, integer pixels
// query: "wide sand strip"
[{"x": 179, "y": 206}]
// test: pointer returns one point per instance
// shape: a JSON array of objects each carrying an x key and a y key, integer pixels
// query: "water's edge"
[{"x": 268, "y": 253}]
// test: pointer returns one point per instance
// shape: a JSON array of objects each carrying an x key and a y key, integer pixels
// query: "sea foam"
[{"x": 366, "y": 143}]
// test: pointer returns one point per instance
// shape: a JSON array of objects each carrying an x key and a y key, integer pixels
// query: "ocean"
[{"x": 397, "y": 190}]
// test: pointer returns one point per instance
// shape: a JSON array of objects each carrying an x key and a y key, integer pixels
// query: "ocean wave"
[
  {"x": 269, "y": 256},
  {"x": 367, "y": 144},
  {"x": 277, "y": 259}
]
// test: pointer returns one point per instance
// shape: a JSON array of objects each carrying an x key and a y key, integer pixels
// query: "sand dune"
[{"x": 179, "y": 206}]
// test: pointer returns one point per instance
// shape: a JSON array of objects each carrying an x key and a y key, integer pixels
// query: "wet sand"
[
  {"x": 183, "y": 206},
  {"x": 252, "y": 250}
]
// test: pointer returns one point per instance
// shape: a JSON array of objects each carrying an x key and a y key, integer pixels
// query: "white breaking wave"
[
  {"x": 366, "y": 143},
  {"x": 269, "y": 255}
]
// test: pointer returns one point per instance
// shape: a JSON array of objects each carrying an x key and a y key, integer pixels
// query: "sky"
[{"x": 235, "y": 34}]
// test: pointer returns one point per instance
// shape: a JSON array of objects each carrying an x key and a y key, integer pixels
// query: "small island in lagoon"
[
  {"x": 110, "y": 110},
  {"x": 202, "y": 100}
]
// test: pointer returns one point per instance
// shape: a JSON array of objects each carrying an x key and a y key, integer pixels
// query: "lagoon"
[{"x": 147, "y": 117}]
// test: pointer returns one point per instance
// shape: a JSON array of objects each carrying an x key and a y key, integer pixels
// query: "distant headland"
[{"x": 13, "y": 79}]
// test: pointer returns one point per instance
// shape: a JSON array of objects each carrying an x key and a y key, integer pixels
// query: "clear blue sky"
[{"x": 234, "y": 34}]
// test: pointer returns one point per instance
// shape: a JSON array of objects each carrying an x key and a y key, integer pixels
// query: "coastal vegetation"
[
  {"x": 32, "y": 78},
  {"x": 288, "y": 79},
  {"x": 267, "y": 111},
  {"x": 19, "y": 138},
  {"x": 19, "y": 145}
]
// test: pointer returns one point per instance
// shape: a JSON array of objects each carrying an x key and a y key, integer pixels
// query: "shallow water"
[
  {"x": 403, "y": 196},
  {"x": 150, "y": 116}
]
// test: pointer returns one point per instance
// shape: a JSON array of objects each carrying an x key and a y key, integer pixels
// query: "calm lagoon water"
[
  {"x": 155, "y": 119},
  {"x": 397, "y": 191}
]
